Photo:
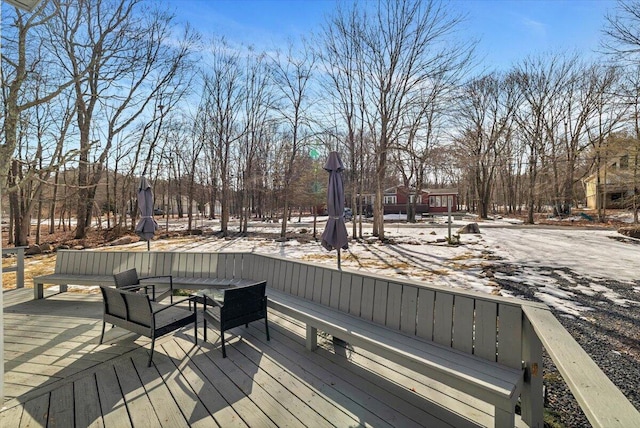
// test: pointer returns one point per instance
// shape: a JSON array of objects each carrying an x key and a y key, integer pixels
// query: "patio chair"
[
  {"x": 137, "y": 313},
  {"x": 236, "y": 306},
  {"x": 129, "y": 279}
]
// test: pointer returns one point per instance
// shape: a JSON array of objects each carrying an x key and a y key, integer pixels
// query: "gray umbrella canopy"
[
  {"x": 147, "y": 226},
  {"x": 335, "y": 233}
]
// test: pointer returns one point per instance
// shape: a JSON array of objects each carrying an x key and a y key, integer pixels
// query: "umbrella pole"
[
  {"x": 339, "y": 259},
  {"x": 148, "y": 246}
]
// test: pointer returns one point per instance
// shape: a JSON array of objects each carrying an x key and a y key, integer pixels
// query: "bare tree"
[
  {"x": 622, "y": 31},
  {"x": 540, "y": 80},
  {"x": 25, "y": 61},
  {"x": 632, "y": 91},
  {"x": 123, "y": 45},
  {"x": 403, "y": 45},
  {"x": 30, "y": 78},
  {"x": 223, "y": 87},
  {"x": 291, "y": 73},
  {"x": 608, "y": 116},
  {"x": 257, "y": 100},
  {"x": 487, "y": 113},
  {"x": 340, "y": 52}
]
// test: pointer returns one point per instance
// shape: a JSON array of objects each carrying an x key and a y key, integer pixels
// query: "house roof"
[
  {"x": 442, "y": 191},
  {"x": 393, "y": 191}
]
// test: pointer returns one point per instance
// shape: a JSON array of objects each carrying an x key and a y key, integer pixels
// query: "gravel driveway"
[{"x": 609, "y": 332}]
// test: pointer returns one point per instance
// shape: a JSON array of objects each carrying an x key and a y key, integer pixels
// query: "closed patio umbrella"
[
  {"x": 335, "y": 233},
  {"x": 147, "y": 225}
]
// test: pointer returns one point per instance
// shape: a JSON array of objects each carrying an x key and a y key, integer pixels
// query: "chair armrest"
[
  {"x": 154, "y": 287},
  {"x": 137, "y": 287},
  {"x": 165, "y": 307},
  {"x": 213, "y": 302},
  {"x": 157, "y": 276},
  {"x": 131, "y": 287}
]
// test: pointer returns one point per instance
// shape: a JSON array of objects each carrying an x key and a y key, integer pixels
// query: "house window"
[
  {"x": 624, "y": 162},
  {"x": 432, "y": 201},
  {"x": 413, "y": 197},
  {"x": 390, "y": 200}
]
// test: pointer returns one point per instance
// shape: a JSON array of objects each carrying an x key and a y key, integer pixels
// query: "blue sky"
[{"x": 508, "y": 30}]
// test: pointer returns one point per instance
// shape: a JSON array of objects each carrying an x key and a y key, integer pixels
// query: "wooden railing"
[
  {"x": 505, "y": 330},
  {"x": 518, "y": 329},
  {"x": 18, "y": 268},
  {"x": 600, "y": 400}
]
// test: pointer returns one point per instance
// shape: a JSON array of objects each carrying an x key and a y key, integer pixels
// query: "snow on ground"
[{"x": 557, "y": 263}]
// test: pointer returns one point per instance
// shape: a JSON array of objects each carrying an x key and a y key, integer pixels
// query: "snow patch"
[{"x": 563, "y": 305}]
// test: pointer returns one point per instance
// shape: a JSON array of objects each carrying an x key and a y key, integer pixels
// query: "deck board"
[
  {"x": 138, "y": 404},
  {"x": 87, "y": 404},
  {"x": 61, "y": 407},
  {"x": 112, "y": 404},
  {"x": 226, "y": 402},
  {"x": 165, "y": 406},
  {"x": 35, "y": 412},
  {"x": 203, "y": 400},
  {"x": 58, "y": 375}
]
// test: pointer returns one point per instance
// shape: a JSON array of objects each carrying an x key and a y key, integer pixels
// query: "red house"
[{"x": 429, "y": 200}]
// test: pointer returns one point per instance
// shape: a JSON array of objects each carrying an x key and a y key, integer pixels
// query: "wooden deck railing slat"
[
  {"x": 380, "y": 296},
  {"x": 18, "y": 268},
  {"x": 394, "y": 305},
  {"x": 366, "y": 298},
  {"x": 409, "y": 309},
  {"x": 344, "y": 297},
  {"x": 426, "y": 310},
  {"x": 510, "y": 336},
  {"x": 318, "y": 280},
  {"x": 443, "y": 318},
  {"x": 486, "y": 334}
]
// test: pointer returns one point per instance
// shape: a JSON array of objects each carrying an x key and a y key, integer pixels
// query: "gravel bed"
[{"x": 610, "y": 334}]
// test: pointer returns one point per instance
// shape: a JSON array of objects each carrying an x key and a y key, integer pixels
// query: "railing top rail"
[
  {"x": 602, "y": 402},
  {"x": 11, "y": 250}
]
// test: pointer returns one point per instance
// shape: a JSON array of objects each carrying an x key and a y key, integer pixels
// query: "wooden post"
[
  {"x": 532, "y": 396},
  {"x": 18, "y": 268},
  {"x": 449, "y": 220}
]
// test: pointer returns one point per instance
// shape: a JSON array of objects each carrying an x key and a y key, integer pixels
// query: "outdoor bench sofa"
[
  {"x": 454, "y": 338},
  {"x": 181, "y": 270},
  {"x": 489, "y": 381},
  {"x": 472, "y": 342}
]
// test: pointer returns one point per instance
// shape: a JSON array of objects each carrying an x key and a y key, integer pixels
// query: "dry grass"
[{"x": 34, "y": 266}]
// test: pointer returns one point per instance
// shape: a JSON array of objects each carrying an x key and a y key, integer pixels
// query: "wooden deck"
[{"x": 57, "y": 375}]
